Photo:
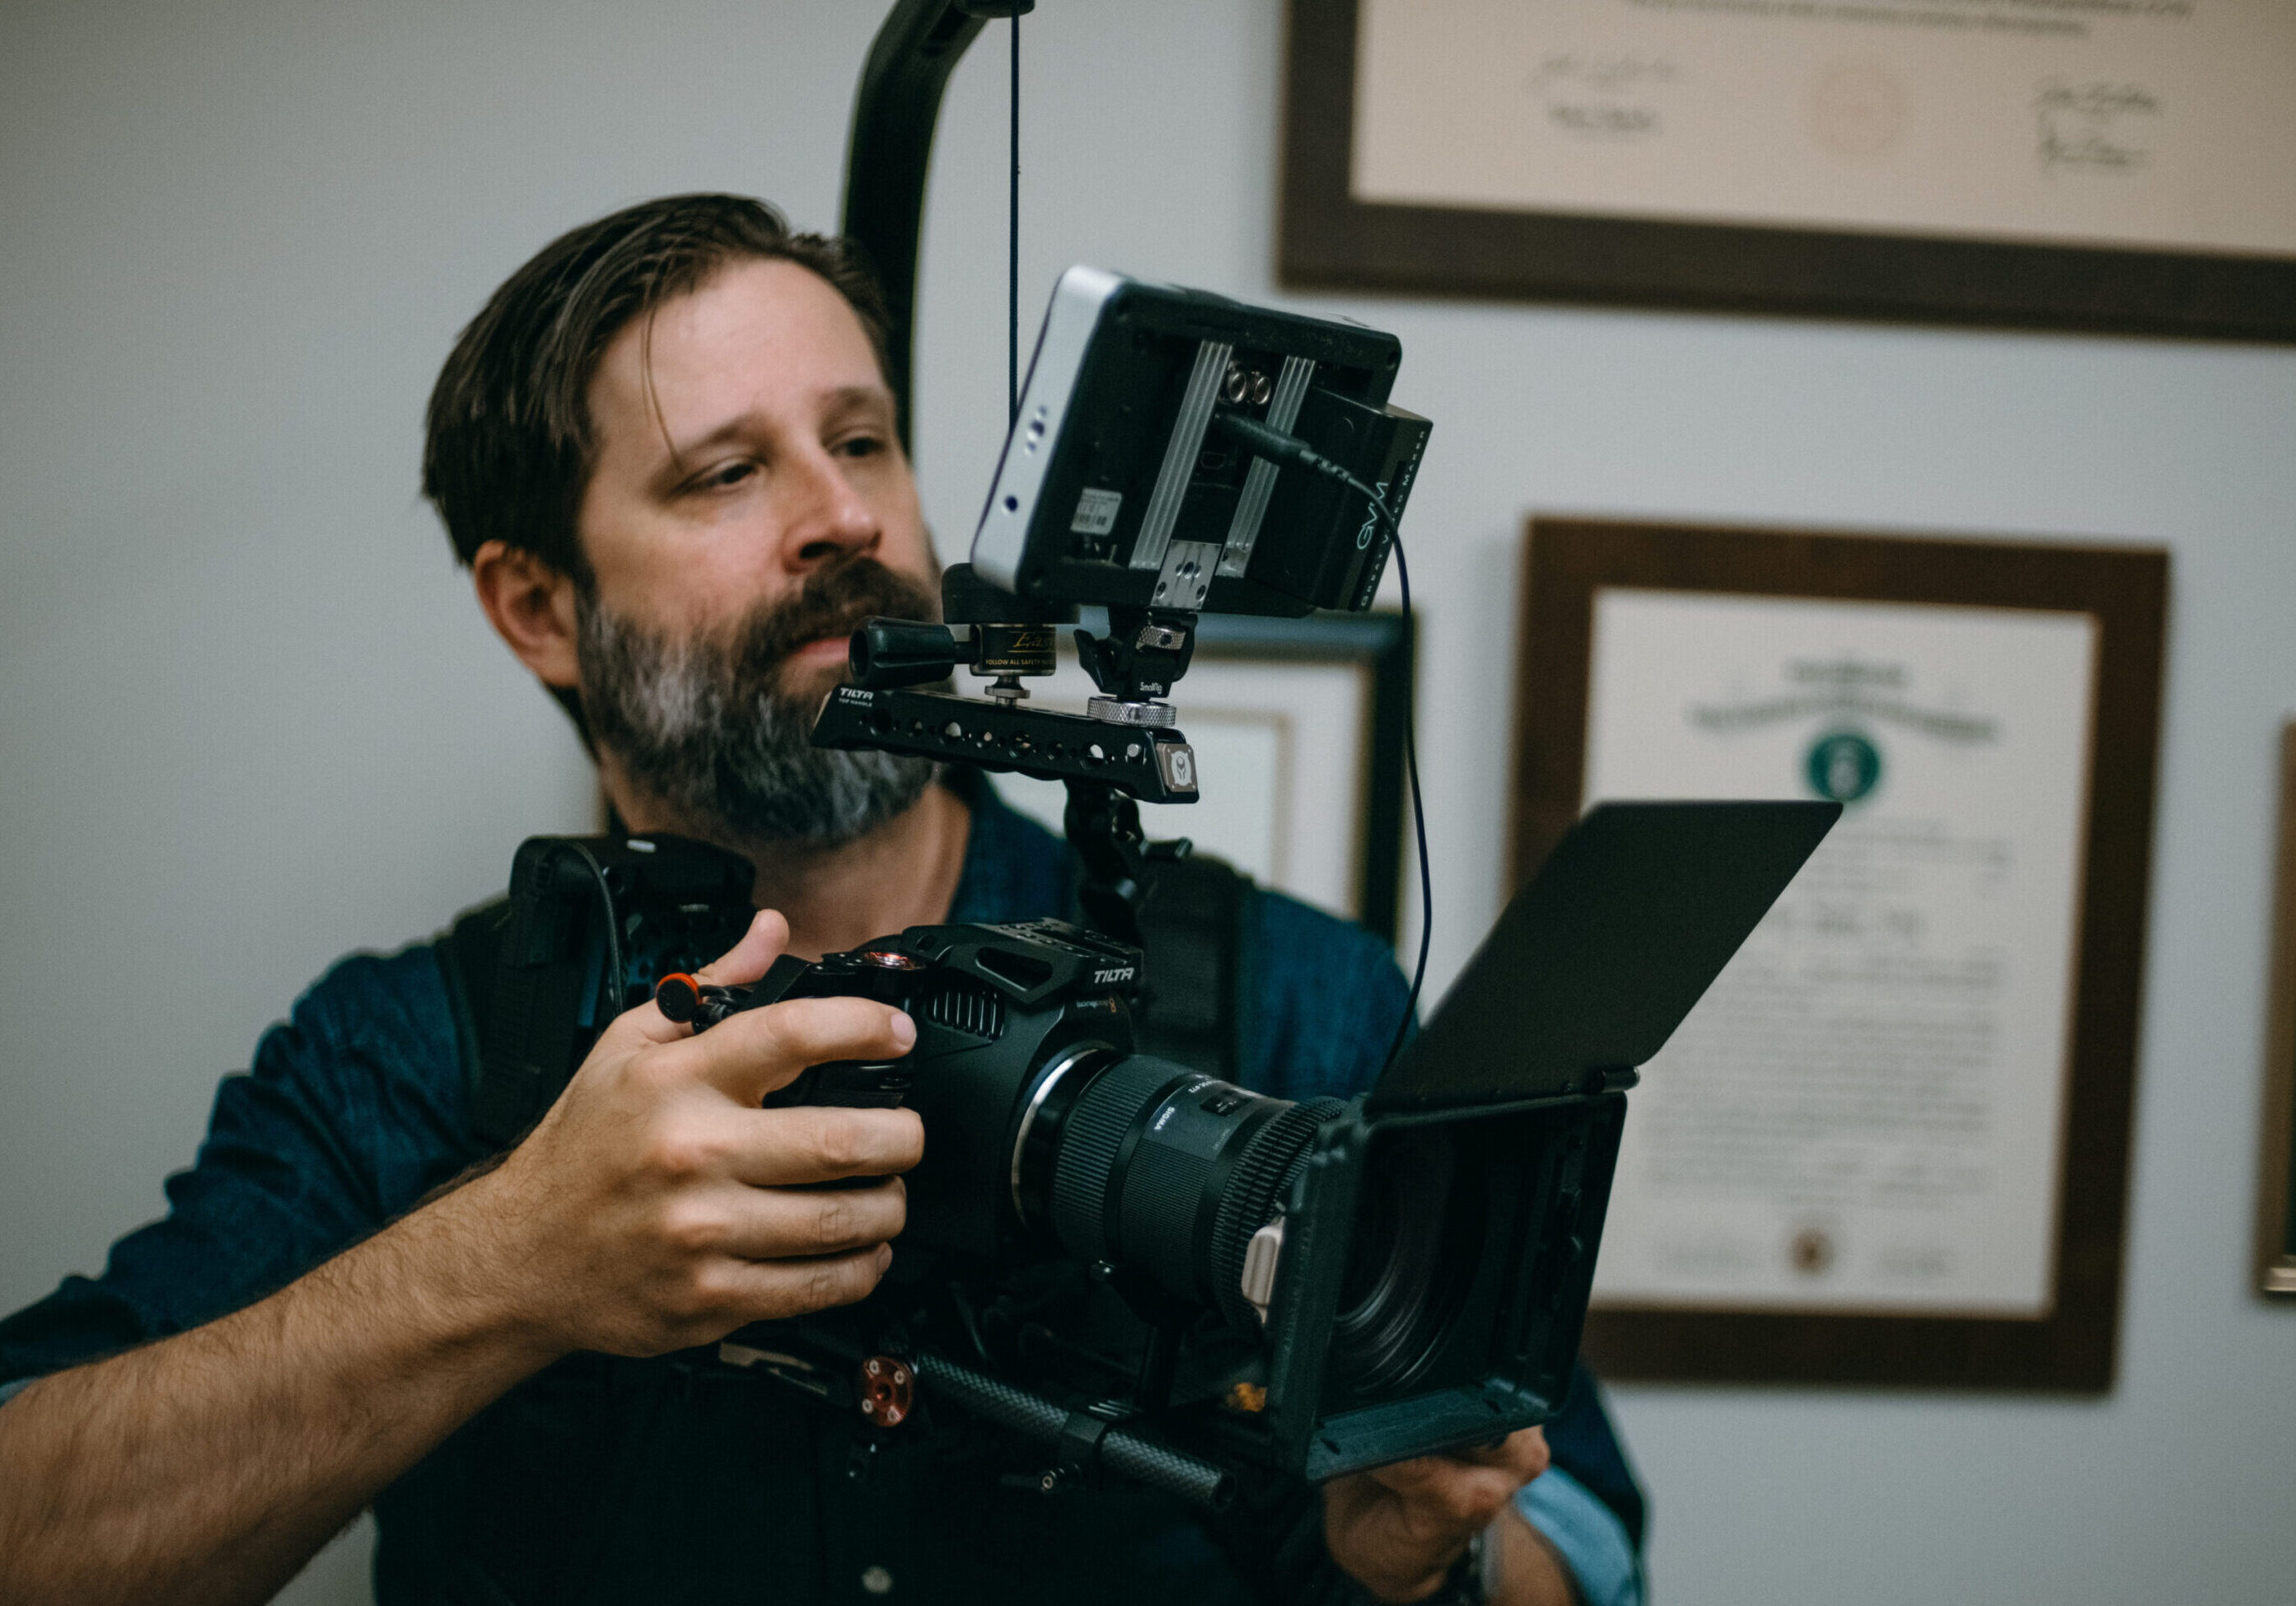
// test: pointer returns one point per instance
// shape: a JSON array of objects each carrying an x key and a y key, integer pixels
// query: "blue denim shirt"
[{"x": 603, "y": 1478}]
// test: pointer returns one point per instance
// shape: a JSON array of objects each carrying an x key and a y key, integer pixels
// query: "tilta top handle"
[
  {"x": 1127, "y": 746},
  {"x": 1128, "y": 741}
]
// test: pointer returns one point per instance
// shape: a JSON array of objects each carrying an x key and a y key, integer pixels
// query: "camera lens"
[
  {"x": 1163, "y": 1170},
  {"x": 1418, "y": 1234}
]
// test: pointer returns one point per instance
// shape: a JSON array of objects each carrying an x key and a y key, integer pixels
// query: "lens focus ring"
[
  {"x": 1262, "y": 1177},
  {"x": 1090, "y": 1143}
]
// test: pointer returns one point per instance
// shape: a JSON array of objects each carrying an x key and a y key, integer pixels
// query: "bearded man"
[{"x": 669, "y": 454}]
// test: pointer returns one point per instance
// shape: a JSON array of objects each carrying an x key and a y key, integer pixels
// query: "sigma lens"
[{"x": 1145, "y": 1164}]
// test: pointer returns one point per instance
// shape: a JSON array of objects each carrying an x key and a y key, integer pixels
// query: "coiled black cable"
[{"x": 1265, "y": 440}]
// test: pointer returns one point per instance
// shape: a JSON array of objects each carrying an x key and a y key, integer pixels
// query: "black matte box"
[
  {"x": 1524, "y": 1071},
  {"x": 1531, "y": 1223}
]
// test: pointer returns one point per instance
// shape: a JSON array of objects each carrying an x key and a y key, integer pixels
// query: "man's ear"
[{"x": 530, "y": 603}]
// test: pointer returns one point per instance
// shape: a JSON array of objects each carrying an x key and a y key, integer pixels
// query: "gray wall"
[{"x": 249, "y": 719}]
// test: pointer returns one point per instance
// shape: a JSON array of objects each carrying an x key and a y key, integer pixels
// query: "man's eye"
[
  {"x": 861, "y": 446},
  {"x": 725, "y": 475}
]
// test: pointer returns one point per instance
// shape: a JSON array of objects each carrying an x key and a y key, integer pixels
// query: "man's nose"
[{"x": 827, "y": 516}]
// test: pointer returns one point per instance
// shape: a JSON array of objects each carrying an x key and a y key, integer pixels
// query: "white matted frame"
[
  {"x": 2073, "y": 1345},
  {"x": 2275, "y": 1205},
  {"x": 2086, "y": 166}
]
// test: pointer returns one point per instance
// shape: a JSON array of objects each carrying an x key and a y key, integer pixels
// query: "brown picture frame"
[
  {"x": 2275, "y": 1192},
  {"x": 1329, "y": 240},
  {"x": 2073, "y": 1349}
]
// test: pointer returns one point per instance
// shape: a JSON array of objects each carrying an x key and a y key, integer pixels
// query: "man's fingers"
[
  {"x": 818, "y": 1143},
  {"x": 791, "y": 1223},
  {"x": 1523, "y": 1454},
  {"x": 1527, "y": 1453},
  {"x": 772, "y": 1290},
  {"x": 1407, "y": 1476},
  {"x": 752, "y": 956},
  {"x": 738, "y": 965},
  {"x": 749, "y": 1055},
  {"x": 1397, "y": 1544},
  {"x": 1439, "y": 1496}
]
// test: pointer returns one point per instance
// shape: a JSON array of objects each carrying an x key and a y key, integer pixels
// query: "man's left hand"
[{"x": 1397, "y": 1529}]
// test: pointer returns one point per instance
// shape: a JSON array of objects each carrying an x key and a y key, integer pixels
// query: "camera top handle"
[{"x": 1126, "y": 747}]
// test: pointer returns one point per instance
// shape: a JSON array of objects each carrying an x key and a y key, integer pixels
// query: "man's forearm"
[
  {"x": 1529, "y": 1572},
  {"x": 210, "y": 1466}
]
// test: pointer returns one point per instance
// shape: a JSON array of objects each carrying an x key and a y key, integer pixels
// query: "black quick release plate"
[{"x": 1155, "y": 766}]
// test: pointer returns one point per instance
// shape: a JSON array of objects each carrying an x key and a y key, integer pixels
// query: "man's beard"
[{"x": 714, "y": 727}]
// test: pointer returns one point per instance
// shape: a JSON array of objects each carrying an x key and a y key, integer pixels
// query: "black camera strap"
[
  {"x": 514, "y": 1024},
  {"x": 533, "y": 976},
  {"x": 467, "y": 955},
  {"x": 1192, "y": 922}
]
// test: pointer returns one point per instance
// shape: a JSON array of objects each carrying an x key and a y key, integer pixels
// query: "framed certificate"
[
  {"x": 2124, "y": 165},
  {"x": 1891, "y": 1144},
  {"x": 2275, "y": 1203}
]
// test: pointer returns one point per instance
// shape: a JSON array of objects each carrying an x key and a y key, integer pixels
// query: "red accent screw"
[{"x": 888, "y": 1390}]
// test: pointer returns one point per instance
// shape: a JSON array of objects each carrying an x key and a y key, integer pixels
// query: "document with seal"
[
  {"x": 2138, "y": 124},
  {"x": 1865, "y": 1112}
]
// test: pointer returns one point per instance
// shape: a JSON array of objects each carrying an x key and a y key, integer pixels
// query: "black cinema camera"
[{"x": 1137, "y": 1266}]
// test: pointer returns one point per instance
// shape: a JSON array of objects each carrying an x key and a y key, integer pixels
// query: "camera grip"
[
  {"x": 851, "y": 1083},
  {"x": 847, "y": 1083}
]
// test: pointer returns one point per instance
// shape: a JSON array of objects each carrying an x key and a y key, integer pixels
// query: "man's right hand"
[{"x": 656, "y": 1205}]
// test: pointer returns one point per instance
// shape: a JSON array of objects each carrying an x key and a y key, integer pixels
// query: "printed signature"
[
  {"x": 2094, "y": 126},
  {"x": 1601, "y": 96}
]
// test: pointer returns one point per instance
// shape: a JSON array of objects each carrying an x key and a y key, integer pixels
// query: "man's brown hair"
[{"x": 508, "y": 443}]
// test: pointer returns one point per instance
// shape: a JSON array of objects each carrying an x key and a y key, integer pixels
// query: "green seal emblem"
[{"x": 1844, "y": 765}]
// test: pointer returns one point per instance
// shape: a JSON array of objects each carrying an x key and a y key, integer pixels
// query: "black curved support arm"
[{"x": 894, "y": 111}]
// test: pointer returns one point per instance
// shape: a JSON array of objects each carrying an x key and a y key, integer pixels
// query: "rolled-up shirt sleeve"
[
  {"x": 337, "y": 1126},
  {"x": 1588, "y": 1537}
]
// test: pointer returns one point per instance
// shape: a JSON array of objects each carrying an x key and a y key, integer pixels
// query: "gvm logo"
[{"x": 1371, "y": 519}]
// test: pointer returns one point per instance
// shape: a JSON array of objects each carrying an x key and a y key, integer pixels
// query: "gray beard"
[{"x": 707, "y": 727}]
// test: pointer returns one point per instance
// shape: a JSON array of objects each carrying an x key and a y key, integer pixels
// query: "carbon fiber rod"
[{"x": 1142, "y": 1460}]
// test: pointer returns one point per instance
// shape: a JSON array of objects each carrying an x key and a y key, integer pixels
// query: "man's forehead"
[{"x": 756, "y": 336}]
